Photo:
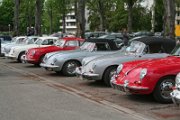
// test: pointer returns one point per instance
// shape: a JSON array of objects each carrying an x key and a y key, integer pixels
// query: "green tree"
[
  {"x": 16, "y": 17},
  {"x": 26, "y": 16},
  {"x": 38, "y": 16},
  {"x": 159, "y": 12},
  {"x": 99, "y": 11},
  {"x": 6, "y": 17}
]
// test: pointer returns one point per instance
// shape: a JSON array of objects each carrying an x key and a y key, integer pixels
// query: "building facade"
[{"x": 71, "y": 22}]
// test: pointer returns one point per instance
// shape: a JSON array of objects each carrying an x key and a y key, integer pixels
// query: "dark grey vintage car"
[
  {"x": 67, "y": 61},
  {"x": 103, "y": 67}
]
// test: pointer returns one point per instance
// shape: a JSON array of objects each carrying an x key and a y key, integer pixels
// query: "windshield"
[
  {"x": 13, "y": 39},
  {"x": 135, "y": 48},
  {"x": 29, "y": 40},
  {"x": 176, "y": 51},
  {"x": 60, "y": 43},
  {"x": 88, "y": 46},
  {"x": 39, "y": 41},
  {"x": 21, "y": 41}
]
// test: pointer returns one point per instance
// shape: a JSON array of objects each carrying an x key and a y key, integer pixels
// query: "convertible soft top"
[{"x": 166, "y": 44}]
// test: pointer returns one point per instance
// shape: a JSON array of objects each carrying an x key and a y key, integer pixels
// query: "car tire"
[
  {"x": 163, "y": 89},
  {"x": 109, "y": 72},
  {"x": 20, "y": 57},
  {"x": 69, "y": 68}
]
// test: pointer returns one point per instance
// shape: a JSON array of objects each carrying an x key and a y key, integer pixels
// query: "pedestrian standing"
[{"x": 125, "y": 37}]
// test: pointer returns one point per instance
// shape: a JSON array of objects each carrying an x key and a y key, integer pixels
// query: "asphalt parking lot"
[{"x": 96, "y": 91}]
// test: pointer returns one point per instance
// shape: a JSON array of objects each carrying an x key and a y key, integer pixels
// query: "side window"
[
  {"x": 21, "y": 40},
  {"x": 155, "y": 48},
  {"x": 103, "y": 46},
  {"x": 72, "y": 43},
  {"x": 50, "y": 42},
  {"x": 45, "y": 42},
  {"x": 146, "y": 49},
  {"x": 34, "y": 39}
]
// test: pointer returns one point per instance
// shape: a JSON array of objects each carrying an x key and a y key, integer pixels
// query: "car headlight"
[
  {"x": 55, "y": 60},
  {"x": 83, "y": 62},
  {"x": 178, "y": 80},
  {"x": 119, "y": 68},
  {"x": 13, "y": 50},
  {"x": 143, "y": 73},
  {"x": 93, "y": 67}
]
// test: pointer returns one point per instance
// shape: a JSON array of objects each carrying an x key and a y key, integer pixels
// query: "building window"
[
  {"x": 178, "y": 22},
  {"x": 73, "y": 17}
]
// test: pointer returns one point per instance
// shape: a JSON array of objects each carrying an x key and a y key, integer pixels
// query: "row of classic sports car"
[
  {"x": 36, "y": 55},
  {"x": 17, "y": 52},
  {"x": 104, "y": 67},
  {"x": 66, "y": 62},
  {"x": 145, "y": 66}
]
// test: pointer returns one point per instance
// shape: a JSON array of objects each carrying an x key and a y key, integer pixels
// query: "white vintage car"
[
  {"x": 17, "y": 52},
  {"x": 18, "y": 41},
  {"x": 15, "y": 40}
]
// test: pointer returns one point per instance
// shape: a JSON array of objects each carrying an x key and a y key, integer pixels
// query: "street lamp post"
[{"x": 9, "y": 26}]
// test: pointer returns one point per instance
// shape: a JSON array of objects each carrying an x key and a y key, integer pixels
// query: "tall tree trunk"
[
  {"x": 153, "y": 17},
  {"x": 130, "y": 7},
  {"x": 16, "y": 17},
  {"x": 80, "y": 17},
  {"x": 64, "y": 18},
  {"x": 64, "y": 22},
  {"x": 101, "y": 15},
  {"x": 169, "y": 18},
  {"x": 38, "y": 14},
  {"x": 51, "y": 19}
]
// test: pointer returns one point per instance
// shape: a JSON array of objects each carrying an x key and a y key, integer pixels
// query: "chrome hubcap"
[
  {"x": 71, "y": 68},
  {"x": 166, "y": 89},
  {"x": 22, "y": 58}
]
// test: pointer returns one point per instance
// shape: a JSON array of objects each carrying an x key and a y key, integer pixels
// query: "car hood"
[
  {"x": 58, "y": 53},
  {"x": 77, "y": 54},
  {"x": 46, "y": 48},
  {"x": 151, "y": 63},
  {"x": 163, "y": 62},
  {"x": 25, "y": 47},
  {"x": 121, "y": 57},
  {"x": 104, "y": 58}
]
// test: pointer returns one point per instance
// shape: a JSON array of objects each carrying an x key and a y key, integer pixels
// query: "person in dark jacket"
[{"x": 125, "y": 37}]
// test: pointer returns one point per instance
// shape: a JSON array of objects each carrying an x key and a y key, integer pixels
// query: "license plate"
[{"x": 120, "y": 88}]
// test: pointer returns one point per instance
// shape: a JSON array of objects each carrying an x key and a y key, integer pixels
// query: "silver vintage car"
[
  {"x": 104, "y": 67},
  {"x": 67, "y": 61}
]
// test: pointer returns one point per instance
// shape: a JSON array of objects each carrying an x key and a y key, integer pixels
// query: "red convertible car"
[
  {"x": 35, "y": 55},
  {"x": 156, "y": 76}
]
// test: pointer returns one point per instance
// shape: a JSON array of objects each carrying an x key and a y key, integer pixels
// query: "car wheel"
[
  {"x": 69, "y": 68},
  {"x": 108, "y": 74},
  {"x": 163, "y": 89},
  {"x": 21, "y": 57}
]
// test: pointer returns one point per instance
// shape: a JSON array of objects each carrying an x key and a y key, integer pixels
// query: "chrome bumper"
[
  {"x": 86, "y": 76},
  {"x": 11, "y": 57},
  {"x": 50, "y": 67},
  {"x": 125, "y": 87},
  {"x": 175, "y": 96}
]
